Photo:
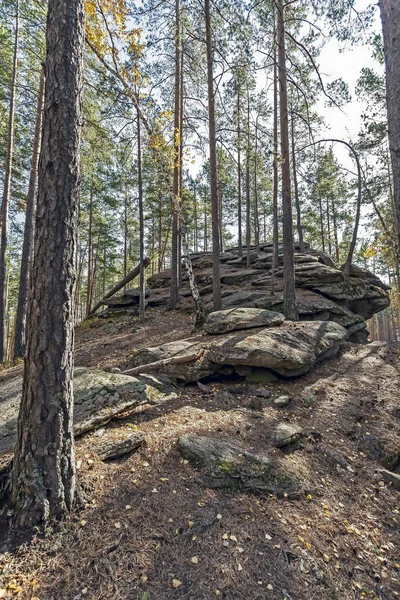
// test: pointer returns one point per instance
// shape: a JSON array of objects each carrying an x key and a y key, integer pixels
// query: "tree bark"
[
  {"x": 240, "y": 242},
  {"x": 275, "y": 247},
  {"x": 296, "y": 191},
  {"x": 390, "y": 16},
  {"x": 20, "y": 321},
  {"x": 248, "y": 208},
  {"x": 289, "y": 290},
  {"x": 43, "y": 475},
  {"x": 213, "y": 162},
  {"x": 174, "y": 291},
  {"x": 89, "y": 292},
  {"x": 142, "y": 289},
  {"x": 6, "y": 198}
]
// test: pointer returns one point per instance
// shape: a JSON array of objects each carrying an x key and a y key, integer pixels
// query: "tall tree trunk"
[
  {"x": 275, "y": 234},
  {"x": 239, "y": 179},
  {"x": 6, "y": 198},
  {"x": 43, "y": 475},
  {"x": 328, "y": 225},
  {"x": 159, "y": 243},
  {"x": 289, "y": 290},
  {"x": 142, "y": 290},
  {"x": 174, "y": 291},
  {"x": 248, "y": 208},
  {"x": 213, "y": 162},
  {"x": 196, "y": 234},
  {"x": 321, "y": 223},
  {"x": 256, "y": 213},
  {"x": 335, "y": 230},
  {"x": 296, "y": 190},
  {"x": 20, "y": 321},
  {"x": 205, "y": 241},
  {"x": 390, "y": 15},
  {"x": 89, "y": 293}
]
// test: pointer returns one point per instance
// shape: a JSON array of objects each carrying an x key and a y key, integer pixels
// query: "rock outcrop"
[
  {"x": 98, "y": 397},
  {"x": 323, "y": 293},
  {"x": 290, "y": 350},
  {"x": 224, "y": 465}
]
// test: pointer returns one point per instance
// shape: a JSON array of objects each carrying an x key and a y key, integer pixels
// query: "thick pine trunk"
[
  {"x": 296, "y": 191},
  {"x": 6, "y": 198},
  {"x": 20, "y": 321},
  {"x": 213, "y": 162},
  {"x": 142, "y": 290},
  {"x": 43, "y": 476},
  {"x": 390, "y": 15},
  {"x": 289, "y": 290},
  {"x": 174, "y": 291},
  {"x": 240, "y": 242},
  {"x": 275, "y": 248},
  {"x": 248, "y": 208},
  {"x": 89, "y": 293}
]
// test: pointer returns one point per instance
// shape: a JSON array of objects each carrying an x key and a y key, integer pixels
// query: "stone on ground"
[
  {"x": 98, "y": 397},
  {"x": 225, "y": 465}
]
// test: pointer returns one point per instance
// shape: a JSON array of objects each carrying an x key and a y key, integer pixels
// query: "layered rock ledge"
[{"x": 323, "y": 293}]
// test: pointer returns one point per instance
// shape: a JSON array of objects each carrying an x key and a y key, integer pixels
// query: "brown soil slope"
[{"x": 150, "y": 531}]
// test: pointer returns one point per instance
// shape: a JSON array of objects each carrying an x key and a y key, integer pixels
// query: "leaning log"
[{"x": 131, "y": 275}]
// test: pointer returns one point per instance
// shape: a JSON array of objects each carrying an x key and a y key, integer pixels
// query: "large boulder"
[
  {"x": 223, "y": 321},
  {"x": 289, "y": 350},
  {"x": 98, "y": 397},
  {"x": 222, "y": 464}
]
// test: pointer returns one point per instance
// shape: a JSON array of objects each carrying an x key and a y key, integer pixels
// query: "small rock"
[
  {"x": 286, "y": 435},
  {"x": 243, "y": 370},
  {"x": 282, "y": 401},
  {"x": 261, "y": 375},
  {"x": 392, "y": 479},
  {"x": 255, "y": 404},
  {"x": 262, "y": 393}
]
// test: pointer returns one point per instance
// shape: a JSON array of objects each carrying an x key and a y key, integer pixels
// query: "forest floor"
[{"x": 149, "y": 531}]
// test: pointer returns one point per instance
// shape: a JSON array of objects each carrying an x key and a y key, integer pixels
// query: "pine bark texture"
[
  {"x": 213, "y": 162},
  {"x": 289, "y": 290},
  {"x": 43, "y": 476},
  {"x": 390, "y": 15},
  {"x": 6, "y": 198},
  {"x": 20, "y": 321},
  {"x": 142, "y": 283},
  {"x": 174, "y": 291},
  {"x": 275, "y": 248}
]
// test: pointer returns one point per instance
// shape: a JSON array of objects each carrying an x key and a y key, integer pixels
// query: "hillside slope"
[{"x": 149, "y": 529}]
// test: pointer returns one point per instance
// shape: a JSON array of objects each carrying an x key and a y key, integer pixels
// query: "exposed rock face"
[
  {"x": 224, "y": 321},
  {"x": 98, "y": 397},
  {"x": 322, "y": 292},
  {"x": 289, "y": 350},
  {"x": 224, "y": 465}
]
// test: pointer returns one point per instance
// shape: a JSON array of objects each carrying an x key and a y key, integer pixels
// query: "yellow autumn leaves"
[{"x": 108, "y": 28}]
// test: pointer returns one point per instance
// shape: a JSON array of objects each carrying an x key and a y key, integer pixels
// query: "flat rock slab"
[
  {"x": 289, "y": 350},
  {"x": 99, "y": 396},
  {"x": 224, "y": 465},
  {"x": 233, "y": 319}
]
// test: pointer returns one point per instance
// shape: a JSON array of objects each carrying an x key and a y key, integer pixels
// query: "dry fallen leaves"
[{"x": 176, "y": 583}]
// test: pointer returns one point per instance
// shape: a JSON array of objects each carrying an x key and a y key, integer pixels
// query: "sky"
[{"x": 348, "y": 63}]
